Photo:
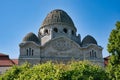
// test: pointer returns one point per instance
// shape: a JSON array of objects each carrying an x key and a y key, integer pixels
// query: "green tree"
[
  {"x": 113, "y": 67},
  {"x": 114, "y": 45}
]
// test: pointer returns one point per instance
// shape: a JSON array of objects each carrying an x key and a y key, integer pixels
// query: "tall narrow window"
[
  {"x": 32, "y": 52},
  {"x": 90, "y": 54},
  {"x": 95, "y": 54},
  {"x": 27, "y": 52},
  {"x": 92, "y": 51}
]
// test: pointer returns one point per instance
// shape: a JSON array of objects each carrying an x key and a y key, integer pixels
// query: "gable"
[
  {"x": 61, "y": 47},
  {"x": 61, "y": 44}
]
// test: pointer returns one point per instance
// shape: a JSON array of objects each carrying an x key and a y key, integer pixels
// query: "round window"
[
  {"x": 55, "y": 29},
  {"x": 65, "y": 30}
]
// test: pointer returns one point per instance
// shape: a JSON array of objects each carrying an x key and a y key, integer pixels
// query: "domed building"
[{"x": 57, "y": 41}]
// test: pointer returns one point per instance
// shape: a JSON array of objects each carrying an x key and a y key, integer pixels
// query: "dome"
[
  {"x": 88, "y": 40},
  {"x": 58, "y": 16},
  {"x": 31, "y": 37}
]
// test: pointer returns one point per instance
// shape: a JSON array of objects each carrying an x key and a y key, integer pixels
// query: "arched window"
[
  {"x": 90, "y": 54},
  {"x": 46, "y": 31},
  {"x": 93, "y": 54},
  {"x": 30, "y": 52},
  {"x": 65, "y": 30},
  {"x": 27, "y": 52},
  {"x": 72, "y": 32},
  {"x": 92, "y": 51},
  {"x": 55, "y": 29}
]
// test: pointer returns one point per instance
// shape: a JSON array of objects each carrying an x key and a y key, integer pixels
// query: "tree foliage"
[
  {"x": 50, "y": 71},
  {"x": 114, "y": 45},
  {"x": 113, "y": 67}
]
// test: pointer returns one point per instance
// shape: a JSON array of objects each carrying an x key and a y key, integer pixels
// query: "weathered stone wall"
[
  {"x": 29, "y": 60},
  {"x": 45, "y": 39},
  {"x": 97, "y": 58},
  {"x": 35, "y": 58},
  {"x": 61, "y": 49}
]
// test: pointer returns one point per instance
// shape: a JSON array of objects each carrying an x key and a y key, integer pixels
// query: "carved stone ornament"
[{"x": 62, "y": 45}]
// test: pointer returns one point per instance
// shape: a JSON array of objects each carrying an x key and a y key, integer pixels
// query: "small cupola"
[
  {"x": 31, "y": 37},
  {"x": 88, "y": 40}
]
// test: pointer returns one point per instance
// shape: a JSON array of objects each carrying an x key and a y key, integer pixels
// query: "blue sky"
[{"x": 19, "y": 17}]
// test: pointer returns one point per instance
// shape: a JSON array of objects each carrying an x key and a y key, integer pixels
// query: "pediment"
[{"x": 62, "y": 44}]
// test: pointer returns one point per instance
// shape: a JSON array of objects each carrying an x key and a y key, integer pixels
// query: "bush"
[{"x": 50, "y": 71}]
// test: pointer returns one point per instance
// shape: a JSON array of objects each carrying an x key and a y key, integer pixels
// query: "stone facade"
[{"x": 57, "y": 41}]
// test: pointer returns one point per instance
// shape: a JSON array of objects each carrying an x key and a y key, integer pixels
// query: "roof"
[
  {"x": 5, "y": 61},
  {"x": 31, "y": 37},
  {"x": 1, "y": 54},
  {"x": 15, "y": 61},
  {"x": 88, "y": 40},
  {"x": 106, "y": 60},
  {"x": 58, "y": 16}
]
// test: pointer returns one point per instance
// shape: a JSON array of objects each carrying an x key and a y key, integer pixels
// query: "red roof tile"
[
  {"x": 1, "y": 54},
  {"x": 106, "y": 60},
  {"x": 4, "y": 57},
  {"x": 15, "y": 61},
  {"x": 7, "y": 63}
]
